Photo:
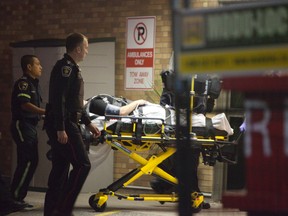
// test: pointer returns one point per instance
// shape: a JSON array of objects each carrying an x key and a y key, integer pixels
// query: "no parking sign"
[{"x": 140, "y": 52}]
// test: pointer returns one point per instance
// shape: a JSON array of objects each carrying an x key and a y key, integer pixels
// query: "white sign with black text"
[{"x": 140, "y": 53}]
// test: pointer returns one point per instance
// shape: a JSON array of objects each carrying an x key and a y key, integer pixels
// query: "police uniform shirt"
[
  {"x": 66, "y": 92},
  {"x": 26, "y": 89}
]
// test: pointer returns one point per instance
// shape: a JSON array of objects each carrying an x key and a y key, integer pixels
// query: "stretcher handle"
[
  {"x": 234, "y": 142},
  {"x": 226, "y": 142}
]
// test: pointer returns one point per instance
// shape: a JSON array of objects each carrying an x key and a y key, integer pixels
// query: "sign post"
[{"x": 140, "y": 53}]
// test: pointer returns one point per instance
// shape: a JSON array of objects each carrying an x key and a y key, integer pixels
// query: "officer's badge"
[
  {"x": 23, "y": 85},
  {"x": 66, "y": 71}
]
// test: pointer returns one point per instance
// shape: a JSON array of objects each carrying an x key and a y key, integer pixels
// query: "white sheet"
[{"x": 219, "y": 122}]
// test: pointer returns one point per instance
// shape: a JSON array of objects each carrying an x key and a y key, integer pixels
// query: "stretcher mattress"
[{"x": 153, "y": 115}]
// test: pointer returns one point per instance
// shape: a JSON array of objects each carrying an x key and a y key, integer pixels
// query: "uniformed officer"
[
  {"x": 26, "y": 112},
  {"x": 64, "y": 110}
]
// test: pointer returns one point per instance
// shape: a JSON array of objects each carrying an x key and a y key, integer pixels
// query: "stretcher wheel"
[
  {"x": 93, "y": 204},
  {"x": 197, "y": 202},
  {"x": 197, "y": 209}
]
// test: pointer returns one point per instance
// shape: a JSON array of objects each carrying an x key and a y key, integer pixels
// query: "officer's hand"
[
  {"x": 62, "y": 137},
  {"x": 94, "y": 130}
]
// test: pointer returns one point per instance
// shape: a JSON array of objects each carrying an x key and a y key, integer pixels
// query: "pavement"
[{"x": 118, "y": 207}]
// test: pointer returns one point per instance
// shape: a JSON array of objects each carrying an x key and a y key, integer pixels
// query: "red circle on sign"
[{"x": 140, "y": 33}]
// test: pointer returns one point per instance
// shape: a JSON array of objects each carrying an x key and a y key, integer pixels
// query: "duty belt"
[
  {"x": 75, "y": 116},
  {"x": 33, "y": 121}
]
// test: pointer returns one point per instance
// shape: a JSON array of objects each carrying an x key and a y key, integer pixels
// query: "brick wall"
[{"x": 29, "y": 19}]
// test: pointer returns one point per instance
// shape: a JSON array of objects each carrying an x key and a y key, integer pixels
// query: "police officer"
[
  {"x": 64, "y": 111},
  {"x": 26, "y": 112}
]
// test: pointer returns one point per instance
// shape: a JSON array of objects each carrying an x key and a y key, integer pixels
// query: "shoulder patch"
[
  {"x": 23, "y": 85},
  {"x": 66, "y": 71}
]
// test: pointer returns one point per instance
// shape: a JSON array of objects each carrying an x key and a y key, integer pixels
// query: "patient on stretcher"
[{"x": 102, "y": 105}]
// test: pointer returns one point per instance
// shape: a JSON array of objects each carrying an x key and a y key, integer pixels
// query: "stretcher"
[{"x": 140, "y": 132}]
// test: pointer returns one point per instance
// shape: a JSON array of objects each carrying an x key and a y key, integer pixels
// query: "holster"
[{"x": 75, "y": 117}]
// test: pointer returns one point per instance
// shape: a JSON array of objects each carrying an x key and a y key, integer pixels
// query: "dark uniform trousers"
[
  {"x": 24, "y": 134},
  {"x": 63, "y": 185},
  {"x": 5, "y": 197}
]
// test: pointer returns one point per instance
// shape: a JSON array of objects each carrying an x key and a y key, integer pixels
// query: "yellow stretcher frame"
[
  {"x": 148, "y": 166},
  {"x": 131, "y": 142}
]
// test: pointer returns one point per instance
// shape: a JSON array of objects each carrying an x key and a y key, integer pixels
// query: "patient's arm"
[{"x": 127, "y": 109}]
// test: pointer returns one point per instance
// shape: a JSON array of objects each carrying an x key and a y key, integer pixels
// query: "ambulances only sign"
[{"x": 140, "y": 53}]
